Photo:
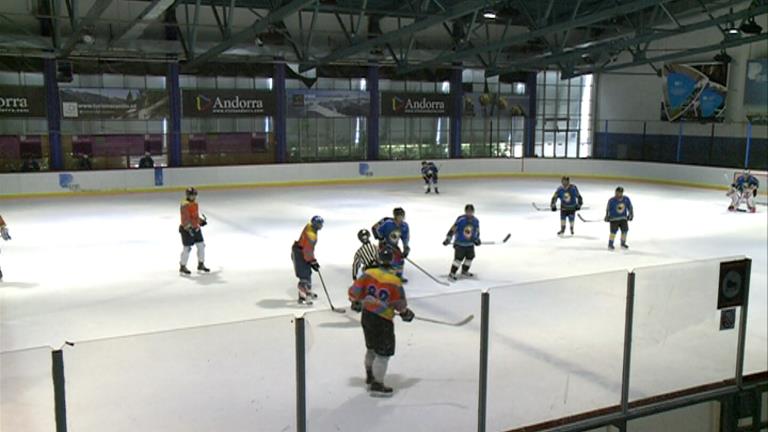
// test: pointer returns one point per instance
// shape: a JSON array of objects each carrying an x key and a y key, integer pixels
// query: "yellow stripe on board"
[{"x": 351, "y": 181}]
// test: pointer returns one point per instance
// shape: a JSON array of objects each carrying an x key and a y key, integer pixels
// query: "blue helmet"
[{"x": 317, "y": 222}]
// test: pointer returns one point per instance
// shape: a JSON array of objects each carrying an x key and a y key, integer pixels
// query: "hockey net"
[{"x": 762, "y": 190}]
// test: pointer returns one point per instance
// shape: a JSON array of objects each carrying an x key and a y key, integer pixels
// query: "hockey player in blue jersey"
[
  {"x": 744, "y": 189},
  {"x": 465, "y": 234},
  {"x": 390, "y": 231},
  {"x": 429, "y": 174},
  {"x": 618, "y": 212},
  {"x": 570, "y": 203}
]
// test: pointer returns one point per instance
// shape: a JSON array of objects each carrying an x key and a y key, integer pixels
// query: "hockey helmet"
[
  {"x": 364, "y": 235},
  {"x": 565, "y": 180},
  {"x": 398, "y": 211},
  {"x": 620, "y": 190},
  {"x": 190, "y": 192},
  {"x": 317, "y": 222},
  {"x": 469, "y": 207}
]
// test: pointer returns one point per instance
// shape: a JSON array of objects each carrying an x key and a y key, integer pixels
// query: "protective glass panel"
[
  {"x": 676, "y": 341},
  {"x": 556, "y": 348},
  {"x": 433, "y": 373},
  {"x": 26, "y": 391},
  {"x": 227, "y": 377}
]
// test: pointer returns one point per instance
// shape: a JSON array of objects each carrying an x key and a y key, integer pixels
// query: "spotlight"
[
  {"x": 723, "y": 57},
  {"x": 731, "y": 30},
  {"x": 587, "y": 58},
  {"x": 259, "y": 42},
  {"x": 489, "y": 14},
  {"x": 88, "y": 39},
  {"x": 750, "y": 27}
]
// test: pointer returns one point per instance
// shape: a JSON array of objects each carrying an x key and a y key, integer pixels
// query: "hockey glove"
[
  {"x": 5, "y": 234},
  {"x": 407, "y": 315},
  {"x": 478, "y": 242},
  {"x": 606, "y": 218},
  {"x": 447, "y": 241},
  {"x": 578, "y": 207},
  {"x": 315, "y": 266},
  {"x": 203, "y": 221},
  {"x": 357, "y": 306},
  {"x": 406, "y": 251},
  {"x": 630, "y": 217},
  {"x": 553, "y": 207}
]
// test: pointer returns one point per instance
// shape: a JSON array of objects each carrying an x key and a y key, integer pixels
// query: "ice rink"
[{"x": 93, "y": 267}]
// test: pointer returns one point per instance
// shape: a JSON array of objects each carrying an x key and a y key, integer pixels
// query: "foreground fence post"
[
  {"x": 301, "y": 377},
  {"x": 60, "y": 403},
  {"x": 628, "y": 321},
  {"x": 743, "y": 326},
  {"x": 483, "y": 390}
]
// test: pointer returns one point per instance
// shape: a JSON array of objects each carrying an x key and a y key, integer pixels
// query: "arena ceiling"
[{"x": 408, "y": 36}]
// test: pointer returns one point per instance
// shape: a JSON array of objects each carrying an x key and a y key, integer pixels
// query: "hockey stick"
[
  {"x": 338, "y": 310},
  {"x": 506, "y": 239},
  {"x": 589, "y": 220},
  {"x": 547, "y": 208},
  {"x": 453, "y": 324},
  {"x": 427, "y": 273}
]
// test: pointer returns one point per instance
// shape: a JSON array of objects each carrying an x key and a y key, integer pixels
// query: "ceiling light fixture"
[
  {"x": 723, "y": 57},
  {"x": 489, "y": 14},
  {"x": 751, "y": 27}
]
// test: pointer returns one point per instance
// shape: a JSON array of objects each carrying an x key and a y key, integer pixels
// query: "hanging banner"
[
  {"x": 494, "y": 105},
  {"x": 756, "y": 91},
  {"x": 227, "y": 103},
  {"x": 16, "y": 101},
  {"x": 694, "y": 92},
  {"x": 395, "y": 104},
  {"x": 327, "y": 103},
  {"x": 113, "y": 104}
]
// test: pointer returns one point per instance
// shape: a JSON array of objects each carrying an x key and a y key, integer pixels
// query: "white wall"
[
  {"x": 635, "y": 93},
  {"x": 290, "y": 174}
]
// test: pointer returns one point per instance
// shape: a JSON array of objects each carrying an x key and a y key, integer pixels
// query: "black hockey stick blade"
[
  {"x": 506, "y": 239},
  {"x": 540, "y": 208},
  {"x": 335, "y": 309},
  {"x": 587, "y": 220},
  {"x": 452, "y": 324},
  {"x": 427, "y": 273}
]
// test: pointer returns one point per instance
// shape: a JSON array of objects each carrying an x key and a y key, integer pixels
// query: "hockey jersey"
[
  {"x": 365, "y": 258},
  {"x": 429, "y": 169},
  {"x": 380, "y": 292},
  {"x": 465, "y": 231},
  {"x": 744, "y": 181},
  {"x": 569, "y": 197},
  {"x": 190, "y": 215},
  {"x": 389, "y": 232},
  {"x": 619, "y": 208},
  {"x": 307, "y": 241}
]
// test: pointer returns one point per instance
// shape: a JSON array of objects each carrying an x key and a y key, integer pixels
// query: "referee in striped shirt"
[{"x": 365, "y": 257}]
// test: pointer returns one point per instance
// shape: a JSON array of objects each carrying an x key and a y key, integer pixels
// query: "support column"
[
  {"x": 174, "y": 104},
  {"x": 375, "y": 112},
  {"x": 53, "y": 114},
  {"x": 278, "y": 85},
  {"x": 530, "y": 123},
  {"x": 457, "y": 102}
]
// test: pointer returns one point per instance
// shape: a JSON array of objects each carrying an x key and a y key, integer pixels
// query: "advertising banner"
[
  {"x": 396, "y": 104},
  {"x": 16, "y": 101},
  {"x": 328, "y": 103},
  {"x": 227, "y": 103},
  {"x": 113, "y": 104}
]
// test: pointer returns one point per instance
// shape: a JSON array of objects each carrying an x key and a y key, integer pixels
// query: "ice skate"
[
  {"x": 467, "y": 274},
  {"x": 202, "y": 268},
  {"x": 380, "y": 390},
  {"x": 610, "y": 246},
  {"x": 305, "y": 301},
  {"x": 752, "y": 209},
  {"x": 571, "y": 230},
  {"x": 453, "y": 277},
  {"x": 624, "y": 245},
  {"x": 561, "y": 232},
  {"x": 731, "y": 208},
  {"x": 184, "y": 270},
  {"x": 437, "y": 191},
  {"x": 369, "y": 379}
]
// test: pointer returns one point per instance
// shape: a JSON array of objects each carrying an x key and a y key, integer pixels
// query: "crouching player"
[
  {"x": 378, "y": 294},
  {"x": 744, "y": 189}
]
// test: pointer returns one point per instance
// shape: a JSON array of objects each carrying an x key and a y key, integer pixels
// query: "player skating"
[
  {"x": 379, "y": 293},
  {"x": 570, "y": 203},
  {"x": 303, "y": 256},
  {"x": 429, "y": 174},
  {"x": 744, "y": 189},
  {"x": 5, "y": 236},
  {"x": 191, "y": 232},
  {"x": 390, "y": 231},
  {"x": 366, "y": 256},
  {"x": 618, "y": 212},
  {"x": 465, "y": 234}
]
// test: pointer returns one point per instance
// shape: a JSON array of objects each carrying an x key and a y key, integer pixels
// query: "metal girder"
[
  {"x": 450, "y": 13},
  {"x": 136, "y": 28},
  {"x": 98, "y": 8},
  {"x": 727, "y": 43},
  {"x": 251, "y": 32},
  {"x": 582, "y": 21},
  {"x": 621, "y": 44}
]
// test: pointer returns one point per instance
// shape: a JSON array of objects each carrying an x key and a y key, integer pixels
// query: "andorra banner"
[
  {"x": 694, "y": 92},
  {"x": 18, "y": 101},
  {"x": 227, "y": 103},
  {"x": 415, "y": 104}
]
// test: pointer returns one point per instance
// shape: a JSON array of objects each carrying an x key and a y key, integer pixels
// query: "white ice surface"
[{"x": 96, "y": 267}]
